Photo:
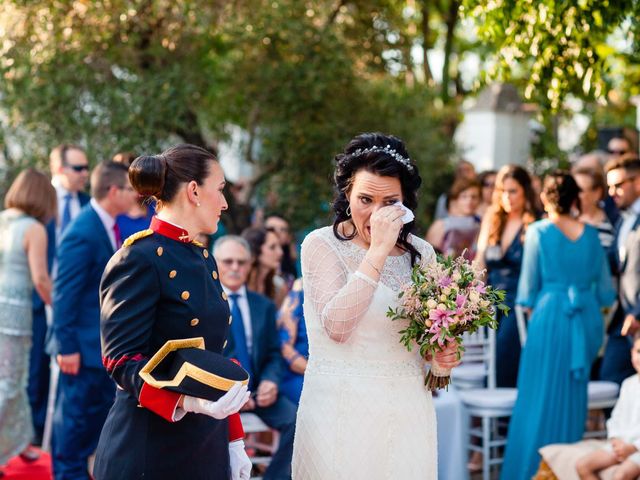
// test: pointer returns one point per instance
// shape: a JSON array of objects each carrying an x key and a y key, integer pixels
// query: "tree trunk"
[
  {"x": 191, "y": 133},
  {"x": 451, "y": 21},
  {"x": 426, "y": 34}
]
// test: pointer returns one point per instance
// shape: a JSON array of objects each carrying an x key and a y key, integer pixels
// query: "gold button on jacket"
[{"x": 185, "y": 295}]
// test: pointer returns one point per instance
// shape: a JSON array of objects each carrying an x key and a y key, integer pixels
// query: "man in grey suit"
[{"x": 623, "y": 179}]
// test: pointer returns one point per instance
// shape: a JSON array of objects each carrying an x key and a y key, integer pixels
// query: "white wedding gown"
[{"x": 364, "y": 411}]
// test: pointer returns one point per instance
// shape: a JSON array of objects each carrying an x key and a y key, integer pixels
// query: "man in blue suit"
[
  {"x": 623, "y": 179},
  {"x": 85, "y": 391},
  {"x": 254, "y": 343},
  {"x": 69, "y": 174}
]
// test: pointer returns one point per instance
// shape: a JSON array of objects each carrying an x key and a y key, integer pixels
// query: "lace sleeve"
[
  {"x": 427, "y": 253},
  {"x": 339, "y": 297}
]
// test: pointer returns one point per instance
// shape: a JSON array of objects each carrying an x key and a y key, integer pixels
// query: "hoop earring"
[{"x": 348, "y": 211}]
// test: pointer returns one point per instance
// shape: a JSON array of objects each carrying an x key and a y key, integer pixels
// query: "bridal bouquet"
[{"x": 441, "y": 303}]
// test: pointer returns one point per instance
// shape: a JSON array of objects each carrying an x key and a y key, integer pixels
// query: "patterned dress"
[{"x": 16, "y": 289}]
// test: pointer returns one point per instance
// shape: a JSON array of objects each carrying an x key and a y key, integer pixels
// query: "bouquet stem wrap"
[{"x": 438, "y": 377}]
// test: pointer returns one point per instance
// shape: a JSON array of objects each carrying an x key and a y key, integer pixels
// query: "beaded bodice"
[{"x": 346, "y": 311}]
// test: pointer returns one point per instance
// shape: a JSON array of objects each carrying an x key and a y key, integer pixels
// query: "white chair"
[
  {"x": 600, "y": 394},
  {"x": 253, "y": 426},
  {"x": 491, "y": 405},
  {"x": 472, "y": 372}
]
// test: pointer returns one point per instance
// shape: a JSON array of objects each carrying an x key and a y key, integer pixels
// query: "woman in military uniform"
[{"x": 164, "y": 286}]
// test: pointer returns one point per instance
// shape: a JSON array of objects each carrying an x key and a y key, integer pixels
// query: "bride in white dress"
[{"x": 364, "y": 412}]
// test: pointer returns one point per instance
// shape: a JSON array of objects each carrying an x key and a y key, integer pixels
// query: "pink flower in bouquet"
[
  {"x": 454, "y": 300},
  {"x": 441, "y": 318},
  {"x": 480, "y": 288}
]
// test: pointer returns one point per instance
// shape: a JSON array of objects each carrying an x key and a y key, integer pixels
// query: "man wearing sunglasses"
[
  {"x": 253, "y": 341},
  {"x": 69, "y": 174},
  {"x": 618, "y": 146},
  {"x": 623, "y": 181}
]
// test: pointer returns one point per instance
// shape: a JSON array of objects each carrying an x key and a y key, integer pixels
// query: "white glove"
[
  {"x": 239, "y": 461},
  {"x": 230, "y": 403}
]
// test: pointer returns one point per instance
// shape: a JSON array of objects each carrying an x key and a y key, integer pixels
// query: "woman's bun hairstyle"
[
  {"x": 160, "y": 176},
  {"x": 147, "y": 175},
  {"x": 561, "y": 191}
]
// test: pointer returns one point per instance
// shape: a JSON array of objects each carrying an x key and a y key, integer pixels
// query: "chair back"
[
  {"x": 480, "y": 346},
  {"x": 521, "y": 320}
]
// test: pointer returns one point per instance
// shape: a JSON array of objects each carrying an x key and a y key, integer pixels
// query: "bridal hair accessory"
[{"x": 389, "y": 151}]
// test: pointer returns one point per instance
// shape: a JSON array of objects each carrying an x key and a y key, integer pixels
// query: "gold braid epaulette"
[{"x": 137, "y": 236}]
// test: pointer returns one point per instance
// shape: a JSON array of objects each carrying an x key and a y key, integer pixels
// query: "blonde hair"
[{"x": 33, "y": 193}]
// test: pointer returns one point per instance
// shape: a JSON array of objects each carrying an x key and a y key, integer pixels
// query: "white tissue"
[{"x": 408, "y": 214}]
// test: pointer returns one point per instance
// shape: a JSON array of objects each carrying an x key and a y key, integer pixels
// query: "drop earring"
[{"x": 348, "y": 210}]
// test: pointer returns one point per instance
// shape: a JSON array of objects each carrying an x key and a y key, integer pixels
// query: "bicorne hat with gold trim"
[{"x": 184, "y": 366}]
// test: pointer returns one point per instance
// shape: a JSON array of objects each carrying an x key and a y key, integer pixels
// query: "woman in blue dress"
[
  {"x": 565, "y": 280},
  {"x": 500, "y": 250}
]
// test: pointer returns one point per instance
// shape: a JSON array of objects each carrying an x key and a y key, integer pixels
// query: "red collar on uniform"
[{"x": 169, "y": 230}]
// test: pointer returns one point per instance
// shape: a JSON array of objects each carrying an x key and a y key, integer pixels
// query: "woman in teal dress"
[
  {"x": 565, "y": 280},
  {"x": 30, "y": 202}
]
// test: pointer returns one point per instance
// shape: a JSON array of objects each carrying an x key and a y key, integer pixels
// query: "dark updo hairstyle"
[
  {"x": 160, "y": 176},
  {"x": 561, "y": 191},
  {"x": 381, "y": 163},
  {"x": 256, "y": 238}
]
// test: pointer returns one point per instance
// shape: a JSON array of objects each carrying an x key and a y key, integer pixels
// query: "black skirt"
[{"x": 135, "y": 443}]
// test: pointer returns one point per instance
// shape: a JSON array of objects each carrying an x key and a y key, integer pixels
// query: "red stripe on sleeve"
[
  {"x": 159, "y": 401},
  {"x": 236, "y": 432},
  {"x": 111, "y": 363}
]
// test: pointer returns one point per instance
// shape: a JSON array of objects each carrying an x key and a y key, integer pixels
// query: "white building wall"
[{"x": 491, "y": 139}]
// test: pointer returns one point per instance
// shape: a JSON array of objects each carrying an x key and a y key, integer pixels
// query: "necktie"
[
  {"x": 65, "y": 219},
  {"x": 239, "y": 337},
  {"x": 116, "y": 232}
]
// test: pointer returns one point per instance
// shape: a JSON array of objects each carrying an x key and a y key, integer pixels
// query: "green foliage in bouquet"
[{"x": 444, "y": 300}]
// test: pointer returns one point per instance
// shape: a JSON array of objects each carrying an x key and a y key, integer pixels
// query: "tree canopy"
[
  {"x": 300, "y": 78},
  {"x": 557, "y": 49}
]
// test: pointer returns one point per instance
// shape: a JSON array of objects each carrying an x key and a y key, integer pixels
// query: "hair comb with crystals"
[{"x": 389, "y": 151}]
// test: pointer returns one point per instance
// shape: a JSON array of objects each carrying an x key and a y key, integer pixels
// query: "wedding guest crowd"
[{"x": 541, "y": 239}]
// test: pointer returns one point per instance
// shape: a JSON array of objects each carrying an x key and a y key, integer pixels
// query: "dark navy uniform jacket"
[{"x": 156, "y": 288}]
